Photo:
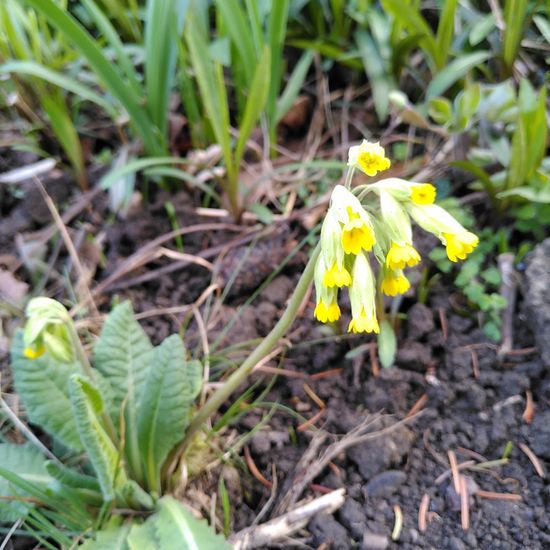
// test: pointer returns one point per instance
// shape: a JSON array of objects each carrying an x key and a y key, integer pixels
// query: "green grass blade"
[
  {"x": 135, "y": 166},
  {"x": 514, "y": 18},
  {"x": 239, "y": 31},
  {"x": 255, "y": 103},
  {"x": 106, "y": 28},
  {"x": 409, "y": 17},
  {"x": 276, "y": 38},
  {"x": 67, "y": 83},
  {"x": 211, "y": 86},
  {"x": 105, "y": 71},
  {"x": 380, "y": 82},
  {"x": 294, "y": 85},
  {"x": 445, "y": 31},
  {"x": 454, "y": 71},
  {"x": 62, "y": 125},
  {"x": 164, "y": 21}
]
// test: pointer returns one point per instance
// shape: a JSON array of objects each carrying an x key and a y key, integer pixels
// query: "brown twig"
[
  {"x": 418, "y": 406},
  {"x": 264, "y": 535},
  {"x": 254, "y": 469},
  {"x": 464, "y": 504},
  {"x": 529, "y": 412},
  {"x": 534, "y": 460},
  {"x": 62, "y": 228},
  {"x": 422, "y": 511},
  {"x": 444, "y": 324},
  {"x": 498, "y": 496},
  {"x": 454, "y": 471}
]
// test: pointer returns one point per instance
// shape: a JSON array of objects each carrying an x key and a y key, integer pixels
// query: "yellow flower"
[
  {"x": 336, "y": 275},
  {"x": 394, "y": 283},
  {"x": 369, "y": 157},
  {"x": 362, "y": 297},
  {"x": 423, "y": 193},
  {"x": 355, "y": 225},
  {"x": 459, "y": 245},
  {"x": 356, "y": 234},
  {"x": 458, "y": 241},
  {"x": 327, "y": 312},
  {"x": 326, "y": 309},
  {"x": 34, "y": 353},
  {"x": 364, "y": 323},
  {"x": 400, "y": 256}
]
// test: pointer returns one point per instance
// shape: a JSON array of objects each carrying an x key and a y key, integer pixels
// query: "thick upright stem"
[{"x": 268, "y": 343}]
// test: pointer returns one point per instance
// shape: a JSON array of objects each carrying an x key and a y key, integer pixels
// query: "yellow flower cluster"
[{"x": 351, "y": 230}]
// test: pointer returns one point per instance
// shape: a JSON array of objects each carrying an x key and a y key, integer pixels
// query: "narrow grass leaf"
[
  {"x": 108, "y": 75},
  {"x": 163, "y": 24},
  {"x": 109, "y": 32},
  {"x": 239, "y": 30},
  {"x": 293, "y": 86},
  {"x": 31, "y": 68},
  {"x": 379, "y": 81},
  {"x": 445, "y": 32},
  {"x": 454, "y": 71},
  {"x": 255, "y": 103}
]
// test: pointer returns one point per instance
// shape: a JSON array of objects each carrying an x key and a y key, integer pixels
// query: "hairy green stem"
[{"x": 268, "y": 343}]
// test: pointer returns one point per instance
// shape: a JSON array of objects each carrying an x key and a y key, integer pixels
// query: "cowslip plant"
[
  {"x": 376, "y": 218},
  {"x": 116, "y": 423}
]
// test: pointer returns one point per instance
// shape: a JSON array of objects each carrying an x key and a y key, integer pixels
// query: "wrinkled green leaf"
[
  {"x": 87, "y": 406},
  {"x": 42, "y": 385},
  {"x": 124, "y": 355},
  {"x": 113, "y": 538},
  {"x": 165, "y": 406}
]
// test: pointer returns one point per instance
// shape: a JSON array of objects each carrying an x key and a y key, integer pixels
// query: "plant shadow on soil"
[{"x": 479, "y": 412}]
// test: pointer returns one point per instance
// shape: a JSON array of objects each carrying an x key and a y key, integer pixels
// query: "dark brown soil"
[{"x": 474, "y": 401}]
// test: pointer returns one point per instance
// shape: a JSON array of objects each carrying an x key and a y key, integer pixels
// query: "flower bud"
[
  {"x": 47, "y": 330},
  {"x": 362, "y": 296},
  {"x": 333, "y": 253}
]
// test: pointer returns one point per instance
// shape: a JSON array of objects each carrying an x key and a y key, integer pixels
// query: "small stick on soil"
[
  {"x": 444, "y": 324},
  {"x": 308, "y": 423},
  {"x": 398, "y": 525},
  {"x": 464, "y": 504},
  {"x": 254, "y": 469},
  {"x": 82, "y": 283},
  {"x": 454, "y": 471},
  {"x": 508, "y": 289},
  {"x": 529, "y": 412},
  {"x": 422, "y": 511},
  {"x": 262, "y": 536},
  {"x": 418, "y": 406},
  {"x": 314, "y": 397},
  {"x": 498, "y": 496},
  {"x": 473, "y": 454},
  {"x": 475, "y": 364},
  {"x": 446, "y": 474},
  {"x": 431, "y": 450},
  {"x": 267, "y": 506},
  {"x": 325, "y": 374},
  {"x": 534, "y": 460}
]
